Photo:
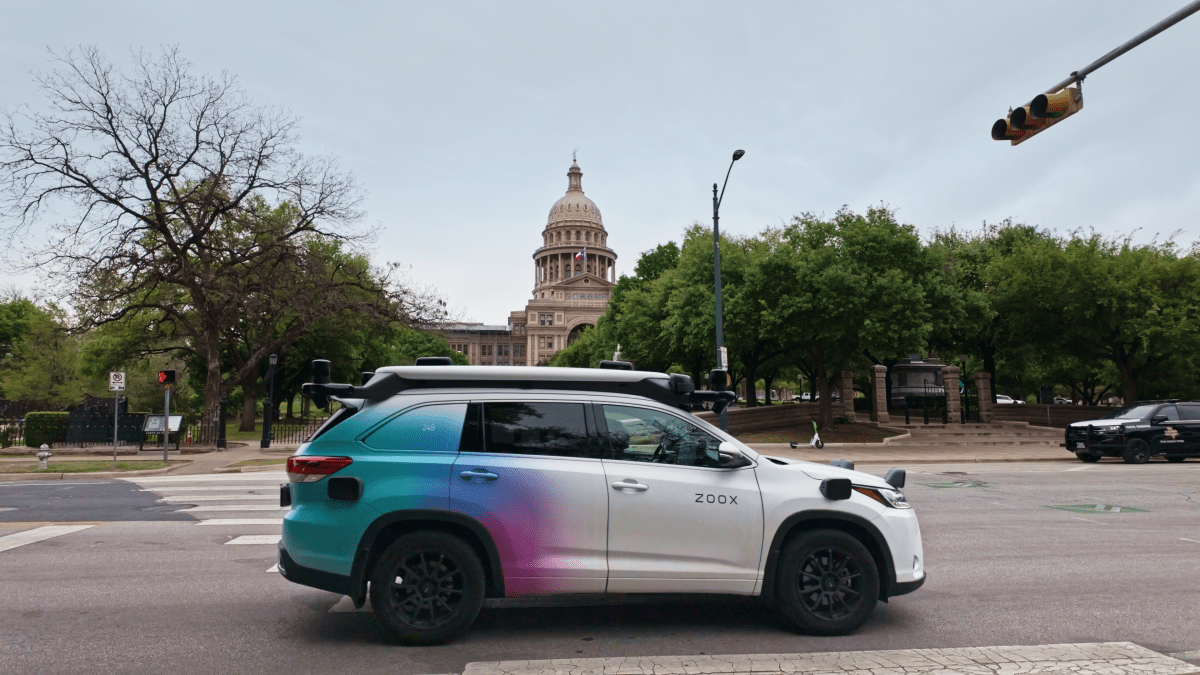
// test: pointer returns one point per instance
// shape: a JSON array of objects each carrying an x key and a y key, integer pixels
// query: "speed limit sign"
[{"x": 116, "y": 381}]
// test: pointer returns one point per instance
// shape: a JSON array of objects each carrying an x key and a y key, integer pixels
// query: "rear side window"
[
  {"x": 340, "y": 415},
  {"x": 1169, "y": 412},
  {"x": 431, "y": 428},
  {"x": 1189, "y": 412},
  {"x": 549, "y": 429}
]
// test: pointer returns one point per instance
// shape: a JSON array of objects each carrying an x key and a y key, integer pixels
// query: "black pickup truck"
[{"x": 1146, "y": 429}]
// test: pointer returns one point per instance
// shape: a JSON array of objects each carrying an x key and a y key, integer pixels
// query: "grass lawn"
[
  {"x": 838, "y": 433},
  {"x": 262, "y": 462},
  {"x": 81, "y": 467}
]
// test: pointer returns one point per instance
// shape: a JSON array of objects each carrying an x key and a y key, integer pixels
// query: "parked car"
[
  {"x": 1136, "y": 433},
  {"x": 444, "y": 485},
  {"x": 1004, "y": 399},
  {"x": 1062, "y": 400}
]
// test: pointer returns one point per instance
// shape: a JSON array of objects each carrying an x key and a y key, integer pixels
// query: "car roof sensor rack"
[{"x": 671, "y": 389}]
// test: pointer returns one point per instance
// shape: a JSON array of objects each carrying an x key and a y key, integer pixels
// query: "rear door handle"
[
  {"x": 630, "y": 484},
  {"x": 477, "y": 475}
]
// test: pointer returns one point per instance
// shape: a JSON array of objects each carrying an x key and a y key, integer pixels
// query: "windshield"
[{"x": 1133, "y": 412}]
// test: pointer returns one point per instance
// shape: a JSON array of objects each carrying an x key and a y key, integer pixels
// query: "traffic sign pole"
[
  {"x": 166, "y": 421},
  {"x": 116, "y": 383}
]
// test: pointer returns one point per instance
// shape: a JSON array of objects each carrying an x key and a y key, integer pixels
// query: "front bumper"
[
  {"x": 306, "y": 576},
  {"x": 906, "y": 587}
]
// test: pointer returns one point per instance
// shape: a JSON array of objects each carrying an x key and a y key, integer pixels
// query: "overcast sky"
[{"x": 459, "y": 118}]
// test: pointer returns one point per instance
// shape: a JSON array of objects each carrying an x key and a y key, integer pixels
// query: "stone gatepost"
[
  {"x": 848, "y": 394},
  {"x": 983, "y": 388},
  {"x": 879, "y": 403},
  {"x": 953, "y": 402}
]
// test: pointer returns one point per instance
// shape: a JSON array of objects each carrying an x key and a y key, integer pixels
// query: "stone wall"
[
  {"x": 769, "y": 417},
  {"x": 1048, "y": 415}
]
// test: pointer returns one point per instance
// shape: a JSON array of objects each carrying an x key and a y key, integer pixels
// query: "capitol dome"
[{"x": 574, "y": 206}]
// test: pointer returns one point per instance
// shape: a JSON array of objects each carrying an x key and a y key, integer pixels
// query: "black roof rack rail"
[{"x": 670, "y": 389}]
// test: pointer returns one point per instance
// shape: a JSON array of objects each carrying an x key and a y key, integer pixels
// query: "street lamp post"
[
  {"x": 269, "y": 405},
  {"x": 721, "y": 358}
]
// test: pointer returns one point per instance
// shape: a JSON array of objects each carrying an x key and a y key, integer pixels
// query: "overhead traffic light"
[
  {"x": 166, "y": 377},
  {"x": 1044, "y": 111}
]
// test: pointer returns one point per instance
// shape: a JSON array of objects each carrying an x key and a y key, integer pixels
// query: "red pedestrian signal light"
[
  {"x": 166, "y": 377},
  {"x": 1043, "y": 112}
]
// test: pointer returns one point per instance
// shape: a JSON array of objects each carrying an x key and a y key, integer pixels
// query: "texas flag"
[{"x": 581, "y": 254}]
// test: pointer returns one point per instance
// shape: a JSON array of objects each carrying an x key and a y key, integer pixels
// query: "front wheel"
[
  {"x": 820, "y": 444},
  {"x": 1087, "y": 457},
  {"x": 1137, "y": 451},
  {"x": 827, "y": 583},
  {"x": 427, "y": 588}
]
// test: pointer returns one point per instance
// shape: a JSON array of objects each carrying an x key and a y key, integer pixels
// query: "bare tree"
[{"x": 188, "y": 208}]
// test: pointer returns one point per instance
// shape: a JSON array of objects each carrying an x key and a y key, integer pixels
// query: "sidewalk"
[{"x": 900, "y": 455}]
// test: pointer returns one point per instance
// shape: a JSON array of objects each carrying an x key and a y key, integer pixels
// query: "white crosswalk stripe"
[
  {"x": 219, "y": 500},
  {"x": 11, "y": 541}
]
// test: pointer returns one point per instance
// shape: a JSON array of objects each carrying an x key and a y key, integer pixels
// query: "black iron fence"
[
  {"x": 12, "y": 432},
  {"x": 926, "y": 407},
  {"x": 87, "y": 429}
]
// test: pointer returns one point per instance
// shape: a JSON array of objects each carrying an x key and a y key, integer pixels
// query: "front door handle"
[
  {"x": 630, "y": 484},
  {"x": 477, "y": 475}
]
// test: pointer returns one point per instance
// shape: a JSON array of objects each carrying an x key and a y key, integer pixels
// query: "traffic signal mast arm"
[{"x": 1062, "y": 100}]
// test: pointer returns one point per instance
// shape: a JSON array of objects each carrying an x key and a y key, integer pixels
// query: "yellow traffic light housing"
[{"x": 1044, "y": 111}]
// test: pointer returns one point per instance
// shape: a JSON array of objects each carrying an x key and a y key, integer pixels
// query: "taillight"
[{"x": 309, "y": 469}]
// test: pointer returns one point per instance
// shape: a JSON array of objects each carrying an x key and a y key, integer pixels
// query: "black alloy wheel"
[
  {"x": 1088, "y": 456},
  {"x": 427, "y": 587},
  {"x": 828, "y": 583},
  {"x": 1137, "y": 451},
  {"x": 1176, "y": 458}
]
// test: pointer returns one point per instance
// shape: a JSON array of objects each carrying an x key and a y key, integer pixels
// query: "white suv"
[{"x": 443, "y": 485}]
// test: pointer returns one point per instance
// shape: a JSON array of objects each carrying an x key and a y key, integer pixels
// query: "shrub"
[{"x": 45, "y": 427}]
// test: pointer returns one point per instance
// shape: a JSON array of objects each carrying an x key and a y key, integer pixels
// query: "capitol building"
[{"x": 574, "y": 272}]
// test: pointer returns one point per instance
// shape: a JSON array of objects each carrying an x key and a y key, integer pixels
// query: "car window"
[
  {"x": 1169, "y": 412},
  {"x": 644, "y": 435},
  {"x": 536, "y": 428},
  {"x": 1189, "y": 412},
  {"x": 431, "y": 428}
]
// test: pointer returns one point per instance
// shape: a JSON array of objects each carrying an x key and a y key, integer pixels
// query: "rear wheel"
[
  {"x": 1088, "y": 457},
  {"x": 1175, "y": 458},
  {"x": 427, "y": 588},
  {"x": 827, "y": 585},
  {"x": 1137, "y": 451}
]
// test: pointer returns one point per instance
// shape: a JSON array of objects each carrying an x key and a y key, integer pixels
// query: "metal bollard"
[{"x": 44, "y": 457}]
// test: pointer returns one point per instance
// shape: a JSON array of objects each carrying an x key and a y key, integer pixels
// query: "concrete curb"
[{"x": 90, "y": 474}]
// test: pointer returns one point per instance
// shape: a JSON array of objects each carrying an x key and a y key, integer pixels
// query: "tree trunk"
[
  {"x": 751, "y": 388},
  {"x": 305, "y": 407},
  {"x": 989, "y": 367},
  {"x": 289, "y": 406},
  {"x": 825, "y": 404},
  {"x": 212, "y": 381},
  {"x": 767, "y": 380},
  {"x": 248, "y": 411}
]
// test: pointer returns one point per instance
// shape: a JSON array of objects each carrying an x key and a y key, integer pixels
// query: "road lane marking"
[
  {"x": 255, "y": 539},
  {"x": 241, "y": 521},
  {"x": 1081, "y": 468},
  {"x": 1191, "y": 540},
  {"x": 1089, "y": 520},
  {"x": 274, "y": 568},
  {"x": 233, "y": 507},
  {"x": 215, "y": 498},
  {"x": 11, "y": 541},
  {"x": 259, "y": 477},
  {"x": 210, "y": 488}
]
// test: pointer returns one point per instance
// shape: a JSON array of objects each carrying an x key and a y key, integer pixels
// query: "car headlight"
[{"x": 890, "y": 498}]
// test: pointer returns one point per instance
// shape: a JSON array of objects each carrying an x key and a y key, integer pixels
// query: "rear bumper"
[{"x": 306, "y": 576}]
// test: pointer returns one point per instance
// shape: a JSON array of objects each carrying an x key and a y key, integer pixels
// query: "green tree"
[
  {"x": 1103, "y": 300},
  {"x": 44, "y": 364}
]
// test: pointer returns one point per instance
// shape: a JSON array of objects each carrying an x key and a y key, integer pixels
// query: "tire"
[
  {"x": 820, "y": 444},
  {"x": 1137, "y": 451},
  {"x": 843, "y": 583},
  {"x": 443, "y": 592},
  {"x": 1176, "y": 458},
  {"x": 1087, "y": 457}
]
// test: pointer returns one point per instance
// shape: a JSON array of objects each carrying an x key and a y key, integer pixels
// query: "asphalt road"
[{"x": 1007, "y": 565}]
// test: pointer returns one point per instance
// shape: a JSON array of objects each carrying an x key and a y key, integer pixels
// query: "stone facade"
[
  {"x": 983, "y": 390},
  {"x": 953, "y": 402},
  {"x": 574, "y": 272},
  {"x": 879, "y": 409}
]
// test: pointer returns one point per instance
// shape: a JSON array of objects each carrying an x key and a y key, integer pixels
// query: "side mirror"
[
  {"x": 1158, "y": 419},
  {"x": 730, "y": 456}
]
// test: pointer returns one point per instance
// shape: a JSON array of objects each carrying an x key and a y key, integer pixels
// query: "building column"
[
  {"x": 953, "y": 402},
  {"x": 879, "y": 403},
  {"x": 848, "y": 394},
  {"x": 983, "y": 389}
]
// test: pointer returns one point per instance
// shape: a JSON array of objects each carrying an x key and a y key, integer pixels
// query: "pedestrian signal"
[
  {"x": 1043, "y": 112},
  {"x": 166, "y": 377}
]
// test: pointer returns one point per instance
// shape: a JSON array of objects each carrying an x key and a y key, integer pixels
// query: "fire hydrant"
[{"x": 44, "y": 457}]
